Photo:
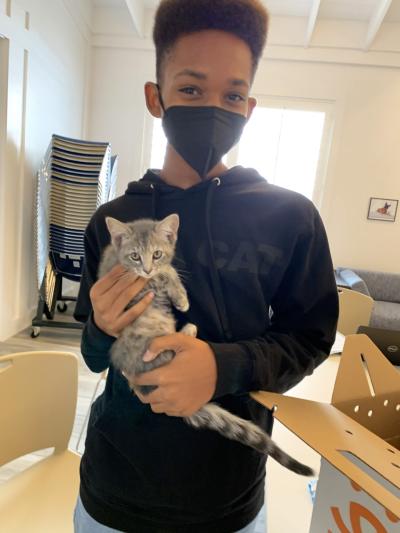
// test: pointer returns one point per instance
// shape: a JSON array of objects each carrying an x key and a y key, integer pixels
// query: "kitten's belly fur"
[
  {"x": 156, "y": 321},
  {"x": 153, "y": 322}
]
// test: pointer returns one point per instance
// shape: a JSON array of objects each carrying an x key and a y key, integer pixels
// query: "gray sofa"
[{"x": 383, "y": 287}]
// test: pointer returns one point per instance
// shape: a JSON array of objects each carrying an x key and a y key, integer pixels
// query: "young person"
[{"x": 260, "y": 281}]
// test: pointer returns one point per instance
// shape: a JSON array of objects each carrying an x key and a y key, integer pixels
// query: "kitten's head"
[{"x": 144, "y": 246}]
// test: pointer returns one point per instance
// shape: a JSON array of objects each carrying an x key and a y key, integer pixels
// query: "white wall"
[
  {"x": 364, "y": 159},
  {"x": 117, "y": 105},
  {"x": 44, "y": 65}
]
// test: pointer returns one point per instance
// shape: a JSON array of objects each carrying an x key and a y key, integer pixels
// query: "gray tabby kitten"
[{"x": 146, "y": 247}]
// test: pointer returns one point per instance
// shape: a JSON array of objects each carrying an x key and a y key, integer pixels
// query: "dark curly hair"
[{"x": 247, "y": 19}]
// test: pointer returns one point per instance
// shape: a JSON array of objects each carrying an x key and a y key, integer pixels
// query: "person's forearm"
[
  {"x": 300, "y": 332},
  {"x": 275, "y": 362},
  {"x": 95, "y": 346}
]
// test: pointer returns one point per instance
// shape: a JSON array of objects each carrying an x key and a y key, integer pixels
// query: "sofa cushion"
[
  {"x": 354, "y": 281},
  {"x": 385, "y": 315},
  {"x": 384, "y": 286}
]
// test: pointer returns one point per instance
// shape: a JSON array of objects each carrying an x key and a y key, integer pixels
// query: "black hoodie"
[{"x": 256, "y": 264}]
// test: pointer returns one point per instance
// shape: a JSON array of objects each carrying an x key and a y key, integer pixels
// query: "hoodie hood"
[{"x": 237, "y": 175}]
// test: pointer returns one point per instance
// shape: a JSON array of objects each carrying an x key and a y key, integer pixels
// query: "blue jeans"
[{"x": 84, "y": 523}]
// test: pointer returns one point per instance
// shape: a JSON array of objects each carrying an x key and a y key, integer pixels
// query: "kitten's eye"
[
  {"x": 134, "y": 256},
  {"x": 157, "y": 254}
]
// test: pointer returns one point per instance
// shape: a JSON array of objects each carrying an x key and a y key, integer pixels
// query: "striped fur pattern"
[
  {"x": 147, "y": 247},
  {"x": 212, "y": 416}
]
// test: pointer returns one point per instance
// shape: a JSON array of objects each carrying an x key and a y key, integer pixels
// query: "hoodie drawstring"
[
  {"x": 154, "y": 198},
  {"x": 215, "y": 279}
]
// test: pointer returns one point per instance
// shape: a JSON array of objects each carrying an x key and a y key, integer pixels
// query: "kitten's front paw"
[
  {"x": 189, "y": 329},
  {"x": 182, "y": 304}
]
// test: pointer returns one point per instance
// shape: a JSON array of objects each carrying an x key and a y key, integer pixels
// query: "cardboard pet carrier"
[{"x": 358, "y": 438}]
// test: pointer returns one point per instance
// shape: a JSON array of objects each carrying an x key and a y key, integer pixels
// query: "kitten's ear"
[
  {"x": 118, "y": 230},
  {"x": 168, "y": 228}
]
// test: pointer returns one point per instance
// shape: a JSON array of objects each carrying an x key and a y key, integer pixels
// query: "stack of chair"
[{"x": 75, "y": 178}]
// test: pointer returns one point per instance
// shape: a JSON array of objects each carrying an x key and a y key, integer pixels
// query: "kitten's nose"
[{"x": 147, "y": 271}]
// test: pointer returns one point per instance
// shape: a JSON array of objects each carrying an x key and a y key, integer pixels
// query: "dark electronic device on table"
[{"x": 387, "y": 340}]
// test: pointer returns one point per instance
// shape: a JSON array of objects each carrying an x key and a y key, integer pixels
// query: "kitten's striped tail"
[{"x": 233, "y": 427}]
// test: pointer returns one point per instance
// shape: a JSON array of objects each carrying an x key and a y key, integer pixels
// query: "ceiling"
[
  {"x": 353, "y": 24},
  {"x": 329, "y": 9}
]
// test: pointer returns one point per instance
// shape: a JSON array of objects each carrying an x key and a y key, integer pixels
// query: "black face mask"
[{"x": 202, "y": 135}]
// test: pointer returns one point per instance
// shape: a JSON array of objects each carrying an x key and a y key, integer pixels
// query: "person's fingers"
[
  {"x": 157, "y": 396},
  {"x": 106, "y": 282},
  {"x": 104, "y": 306},
  {"x": 107, "y": 299},
  {"x": 115, "y": 285},
  {"x": 121, "y": 296},
  {"x": 158, "y": 408},
  {"x": 134, "y": 312},
  {"x": 153, "y": 377},
  {"x": 174, "y": 413},
  {"x": 164, "y": 408},
  {"x": 174, "y": 342}
]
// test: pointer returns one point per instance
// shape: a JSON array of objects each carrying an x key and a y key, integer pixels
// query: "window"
[
  {"x": 158, "y": 145},
  {"x": 286, "y": 144}
]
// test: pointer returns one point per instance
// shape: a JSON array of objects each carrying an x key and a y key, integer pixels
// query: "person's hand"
[
  {"x": 186, "y": 383},
  {"x": 111, "y": 294}
]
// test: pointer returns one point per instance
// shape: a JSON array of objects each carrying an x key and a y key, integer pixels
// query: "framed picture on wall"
[{"x": 382, "y": 209}]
